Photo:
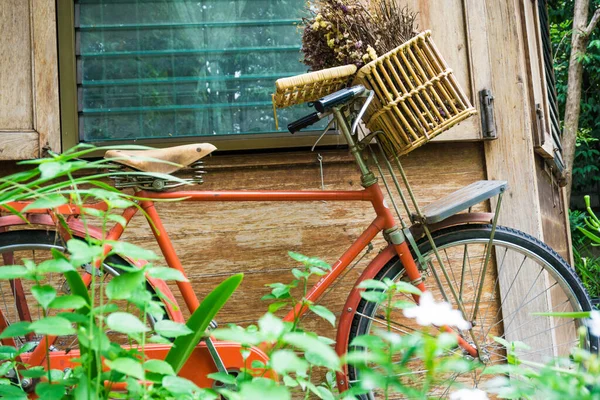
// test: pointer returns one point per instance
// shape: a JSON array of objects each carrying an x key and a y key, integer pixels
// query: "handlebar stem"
[{"x": 367, "y": 178}]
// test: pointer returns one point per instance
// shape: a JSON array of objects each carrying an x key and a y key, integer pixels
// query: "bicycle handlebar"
[
  {"x": 324, "y": 104},
  {"x": 337, "y": 98}
]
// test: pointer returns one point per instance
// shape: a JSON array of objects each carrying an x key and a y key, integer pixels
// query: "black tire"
[
  {"x": 37, "y": 244},
  {"x": 531, "y": 252}
]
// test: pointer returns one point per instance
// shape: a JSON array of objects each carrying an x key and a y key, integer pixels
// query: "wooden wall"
[
  {"x": 29, "y": 108},
  {"x": 216, "y": 240}
]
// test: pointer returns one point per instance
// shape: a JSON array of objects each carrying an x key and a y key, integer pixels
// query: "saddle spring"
[{"x": 124, "y": 178}]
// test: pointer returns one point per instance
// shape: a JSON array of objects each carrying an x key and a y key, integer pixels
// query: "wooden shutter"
[
  {"x": 541, "y": 83},
  {"x": 460, "y": 32},
  {"x": 29, "y": 107}
]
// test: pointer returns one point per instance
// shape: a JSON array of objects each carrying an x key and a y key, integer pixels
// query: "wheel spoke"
[{"x": 522, "y": 279}]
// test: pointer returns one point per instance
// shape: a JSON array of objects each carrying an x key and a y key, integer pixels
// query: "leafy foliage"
[{"x": 585, "y": 168}]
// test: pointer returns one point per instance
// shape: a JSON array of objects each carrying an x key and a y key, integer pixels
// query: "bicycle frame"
[{"x": 383, "y": 221}]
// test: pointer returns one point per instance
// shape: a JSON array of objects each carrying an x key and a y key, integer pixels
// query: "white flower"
[
  {"x": 468, "y": 394},
  {"x": 594, "y": 323},
  {"x": 428, "y": 312}
]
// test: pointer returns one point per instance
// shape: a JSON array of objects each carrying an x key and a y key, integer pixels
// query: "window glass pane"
[{"x": 172, "y": 68}]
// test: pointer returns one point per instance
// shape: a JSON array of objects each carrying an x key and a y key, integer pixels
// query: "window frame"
[{"x": 70, "y": 115}]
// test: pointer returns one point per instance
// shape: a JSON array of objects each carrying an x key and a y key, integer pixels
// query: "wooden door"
[
  {"x": 29, "y": 107},
  {"x": 459, "y": 29}
]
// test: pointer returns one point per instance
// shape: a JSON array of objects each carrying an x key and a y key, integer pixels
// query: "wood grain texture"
[
  {"x": 15, "y": 69},
  {"x": 459, "y": 30},
  {"x": 18, "y": 145},
  {"x": 45, "y": 74},
  {"x": 215, "y": 240}
]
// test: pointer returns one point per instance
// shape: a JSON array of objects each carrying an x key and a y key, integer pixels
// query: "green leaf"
[
  {"x": 43, "y": 294},
  {"x": 406, "y": 287},
  {"x": 324, "y": 313},
  {"x": 309, "y": 344},
  {"x": 262, "y": 388},
  {"x": 50, "y": 201},
  {"x": 159, "y": 367},
  {"x": 48, "y": 391},
  {"x": 299, "y": 274},
  {"x": 198, "y": 322},
  {"x": 274, "y": 307},
  {"x": 284, "y": 361},
  {"x": 50, "y": 169},
  {"x": 13, "y": 272},
  {"x": 238, "y": 334},
  {"x": 298, "y": 257},
  {"x": 16, "y": 329},
  {"x": 12, "y": 392},
  {"x": 33, "y": 372},
  {"x": 69, "y": 302},
  {"x": 271, "y": 326},
  {"x": 126, "y": 366},
  {"x": 131, "y": 250},
  {"x": 119, "y": 219},
  {"x": 82, "y": 253},
  {"x": 166, "y": 274},
  {"x": 222, "y": 377},
  {"x": 579, "y": 314},
  {"x": 123, "y": 286},
  {"x": 374, "y": 296},
  {"x": 178, "y": 385},
  {"x": 59, "y": 265},
  {"x": 171, "y": 329},
  {"x": 372, "y": 284},
  {"x": 125, "y": 323},
  {"x": 55, "y": 326}
]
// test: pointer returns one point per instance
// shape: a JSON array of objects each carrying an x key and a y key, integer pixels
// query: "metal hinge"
[
  {"x": 488, "y": 123},
  {"x": 540, "y": 136}
]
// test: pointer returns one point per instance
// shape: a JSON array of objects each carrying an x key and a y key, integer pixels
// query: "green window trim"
[{"x": 71, "y": 104}]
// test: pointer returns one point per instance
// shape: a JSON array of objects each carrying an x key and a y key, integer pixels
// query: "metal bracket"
[{"x": 488, "y": 123}]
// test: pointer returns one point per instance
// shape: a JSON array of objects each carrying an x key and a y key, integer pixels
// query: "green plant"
[
  {"x": 57, "y": 181},
  {"x": 592, "y": 224},
  {"x": 586, "y": 264},
  {"x": 572, "y": 376}
]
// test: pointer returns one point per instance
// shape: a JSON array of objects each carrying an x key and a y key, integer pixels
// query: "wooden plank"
[
  {"x": 18, "y": 145},
  {"x": 15, "y": 69},
  {"x": 218, "y": 239},
  {"x": 45, "y": 74},
  {"x": 521, "y": 208}
]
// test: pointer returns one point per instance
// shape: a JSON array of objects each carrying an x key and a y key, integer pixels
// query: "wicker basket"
[
  {"x": 417, "y": 96},
  {"x": 310, "y": 87}
]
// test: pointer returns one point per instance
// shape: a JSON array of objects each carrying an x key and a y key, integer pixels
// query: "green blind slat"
[
  {"x": 177, "y": 107},
  {"x": 186, "y": 79},
  {"x": 217, "y": 24},
  {"x": 150, "y": 53}
]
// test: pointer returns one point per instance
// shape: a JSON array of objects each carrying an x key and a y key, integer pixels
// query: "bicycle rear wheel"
[
  {"x": 16, "y": 300},
  {"x": 524, "y": 277}
]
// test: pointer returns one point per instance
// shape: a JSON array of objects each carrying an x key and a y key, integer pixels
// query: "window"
[{"x": 171, "y": 70}]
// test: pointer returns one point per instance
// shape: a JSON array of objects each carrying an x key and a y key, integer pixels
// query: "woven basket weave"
[
  {"x": 310, "y": 87},
  {"x": 417, "y": 96}
]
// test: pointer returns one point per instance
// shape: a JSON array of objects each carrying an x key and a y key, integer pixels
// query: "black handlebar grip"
[
  {"x": 339, "y": 97},
  {"x": 303, "y": 122}
]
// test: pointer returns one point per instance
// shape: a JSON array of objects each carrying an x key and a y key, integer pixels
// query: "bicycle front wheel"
[{"x": 524, "y": 277}]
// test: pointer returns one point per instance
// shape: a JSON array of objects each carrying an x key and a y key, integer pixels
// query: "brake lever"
[{"x": 362, "y": 111}]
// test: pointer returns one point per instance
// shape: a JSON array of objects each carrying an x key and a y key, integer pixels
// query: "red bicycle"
[{"x": 482, "y": 269}]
